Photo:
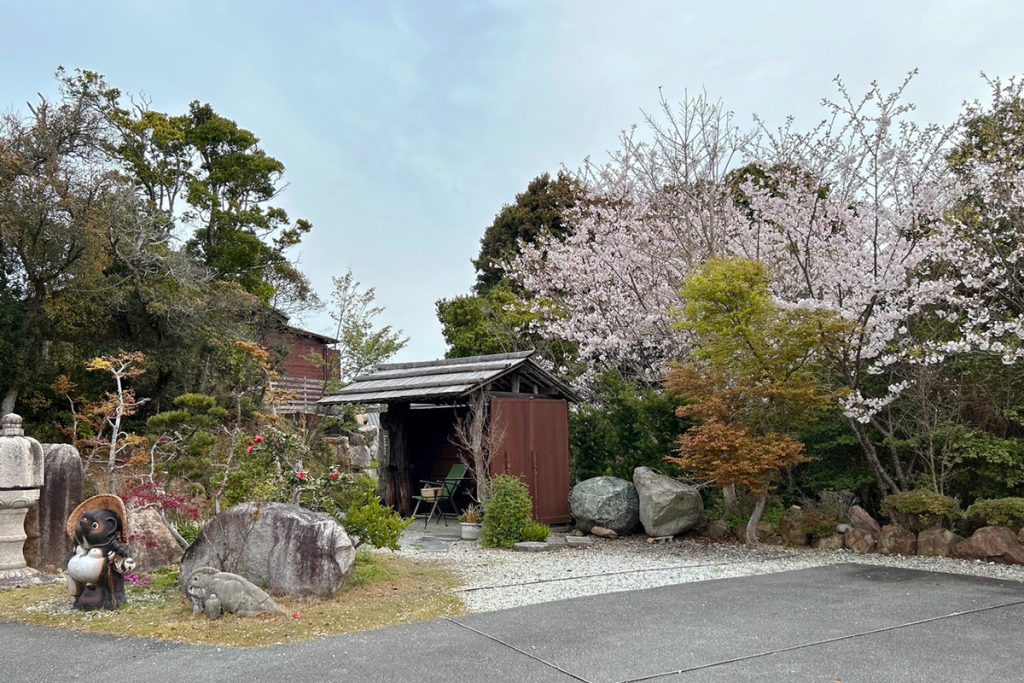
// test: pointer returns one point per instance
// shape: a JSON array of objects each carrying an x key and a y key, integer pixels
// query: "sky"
[{"x": 406, "y": 126}]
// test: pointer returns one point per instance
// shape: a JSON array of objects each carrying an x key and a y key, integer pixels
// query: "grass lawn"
[{"x": 384, "y": 590}]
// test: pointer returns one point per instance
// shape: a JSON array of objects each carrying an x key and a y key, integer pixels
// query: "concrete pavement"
[{"x": 848, "y": 622}]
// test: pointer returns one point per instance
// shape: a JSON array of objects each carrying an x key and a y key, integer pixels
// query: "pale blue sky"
[{"x": 405, "y": 126}]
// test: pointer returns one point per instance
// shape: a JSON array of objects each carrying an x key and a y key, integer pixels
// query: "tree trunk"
[
  {"x": 755, "y": 517},
  {"x": 10, "y": 399},
  {"x": 398, "y": 489},
  {"x": 731, "y": 504},
  {"x": 885, "y": 482}
]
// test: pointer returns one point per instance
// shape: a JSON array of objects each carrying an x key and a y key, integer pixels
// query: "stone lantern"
[{"x": 21, "y": 477}]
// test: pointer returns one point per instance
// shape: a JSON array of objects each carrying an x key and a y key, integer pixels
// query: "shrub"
[
  {"x": 537, "y": 532},
  {"x": 353, "y": 501},
  {"x": 508, "y": 513},
  {"x": 1008, "y": 512},
  {"x": 920, "y": 509},
  {"x": 625, "y": 426},
  {"x": 817, "y": 522},
  {"x": 189, "y": 530}
]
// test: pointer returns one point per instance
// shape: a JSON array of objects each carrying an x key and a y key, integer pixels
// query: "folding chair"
[{"x": 447, "y": 488}]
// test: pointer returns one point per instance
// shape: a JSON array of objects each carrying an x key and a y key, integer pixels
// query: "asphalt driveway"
[{"x": 844, "y": 622}]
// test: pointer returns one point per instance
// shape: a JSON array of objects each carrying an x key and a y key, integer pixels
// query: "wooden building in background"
[
  {"x": 527, "y": 404},
  {"x": 308, "y": 362}
]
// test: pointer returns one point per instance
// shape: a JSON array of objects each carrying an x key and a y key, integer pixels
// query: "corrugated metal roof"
[{"x": 438, "y": 379}]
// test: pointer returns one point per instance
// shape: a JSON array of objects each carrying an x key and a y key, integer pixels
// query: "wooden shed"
[{"x": 526, "y": 406}]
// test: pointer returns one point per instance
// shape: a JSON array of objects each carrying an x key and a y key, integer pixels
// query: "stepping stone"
[
  {"x": 531, "y": 546},
  {"x": 579, "y": 540}
]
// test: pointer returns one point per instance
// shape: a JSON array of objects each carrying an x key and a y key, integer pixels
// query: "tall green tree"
[
  {"x": 497, "y": 317},
  {"x": 56, "y": 192},
  {"x": 537, "y": 212}
]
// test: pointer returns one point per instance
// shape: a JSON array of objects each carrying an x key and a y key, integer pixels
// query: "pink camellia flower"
[
  {"x": 297, "y": 615},
  {"x": 248, "y": 449},
  {"x": 257, "y": 439},
  {"x": 333, "y": 476},
  {"x": 302, "y": 475}
]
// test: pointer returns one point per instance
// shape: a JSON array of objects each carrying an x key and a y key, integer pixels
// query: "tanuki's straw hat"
[{"x": 104, "y": 501}]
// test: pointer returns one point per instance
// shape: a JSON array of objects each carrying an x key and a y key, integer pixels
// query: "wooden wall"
[
  {"x": 296, "y": 363},
  {"x": 536, "y": 448}
]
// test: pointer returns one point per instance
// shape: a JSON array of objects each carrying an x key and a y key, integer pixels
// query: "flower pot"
[
  {"x": 470, "y": 531},
  {"x": 430, "y": 492}
]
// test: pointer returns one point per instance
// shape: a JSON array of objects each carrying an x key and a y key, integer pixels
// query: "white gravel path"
[{"x": 499, "y": 579}]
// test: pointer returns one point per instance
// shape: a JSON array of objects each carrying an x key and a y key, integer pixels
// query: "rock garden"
[{"x": 617, "y": 551}]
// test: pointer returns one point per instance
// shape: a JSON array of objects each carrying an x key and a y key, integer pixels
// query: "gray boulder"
[
  {"x": 213, "y": 592},
  {"x": 667, "y": 507},
  {"x": 605, "y": 501},
  {"x": 286, "y": 549}
]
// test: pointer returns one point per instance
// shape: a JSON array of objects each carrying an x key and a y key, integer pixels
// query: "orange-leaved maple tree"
[{"x": 754, "y": 375}]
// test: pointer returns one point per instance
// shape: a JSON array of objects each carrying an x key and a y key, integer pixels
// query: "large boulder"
[
  {"x": 286, "y": 549},
  {"x": 860, "y": 541},
  {"x": 937, "y": 542},
  {"x": 897, "y": 540},
  {"x": 667, "y": 507},
  {"x": 605, "y": 501},
  {"x": 993, "y": 544},
  {"x": 151, "y": 542},
  {"x": 862, "y": 520},
  {"x": 49, "y": 547}
]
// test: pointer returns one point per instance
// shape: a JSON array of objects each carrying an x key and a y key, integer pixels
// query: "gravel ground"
[{"x": 499, "y": 579}]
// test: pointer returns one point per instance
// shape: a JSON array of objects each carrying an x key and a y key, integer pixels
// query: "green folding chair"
[{"x": 447, "y": 488}]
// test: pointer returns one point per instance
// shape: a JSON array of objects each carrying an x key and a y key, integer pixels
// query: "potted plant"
[{"x": 470, "y": 520}]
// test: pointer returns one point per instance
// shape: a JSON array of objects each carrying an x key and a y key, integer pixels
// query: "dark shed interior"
[{"x": 421, "y": 403}]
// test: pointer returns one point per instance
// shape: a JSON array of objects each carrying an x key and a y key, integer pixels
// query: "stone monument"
[{"x": 21, "y": 477}]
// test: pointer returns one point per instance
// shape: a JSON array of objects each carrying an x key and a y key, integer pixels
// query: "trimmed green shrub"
[
  {"x": 537, "y": 532},
  {"x": 508, "y": 513},
  {"x": 367, "y": 519},
  {"x": 920, "y": 509},
  {"x": 624, "y": 426},
  {"x": 1008, "y": 512}
]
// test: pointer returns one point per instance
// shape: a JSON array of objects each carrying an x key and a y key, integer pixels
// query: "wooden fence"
[{"x": 296, "y": 394}]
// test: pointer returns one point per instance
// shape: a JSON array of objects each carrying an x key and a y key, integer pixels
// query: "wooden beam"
[{"x": 395, "y": 472}]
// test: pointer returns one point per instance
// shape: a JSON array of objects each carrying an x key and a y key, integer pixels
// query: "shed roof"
[{"x": 442, "y": 380}]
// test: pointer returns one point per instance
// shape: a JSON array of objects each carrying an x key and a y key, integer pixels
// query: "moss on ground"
[{"x": 384, "y": 590}]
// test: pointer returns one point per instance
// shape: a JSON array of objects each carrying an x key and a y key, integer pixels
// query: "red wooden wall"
[
  {"x": 536, "y": 448},
  {"x": 296, "y": 363}
]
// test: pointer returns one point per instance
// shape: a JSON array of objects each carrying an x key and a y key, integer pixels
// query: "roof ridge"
[{"x": 513, "y": 355}]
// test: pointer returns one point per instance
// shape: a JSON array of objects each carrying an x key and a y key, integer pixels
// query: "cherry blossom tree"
[
  {"x": 910, "y": 233},
  {"x": 986, "y": 249},
  {"x": 657, "y": 207},
  {"x": 854, "y": 214}
]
